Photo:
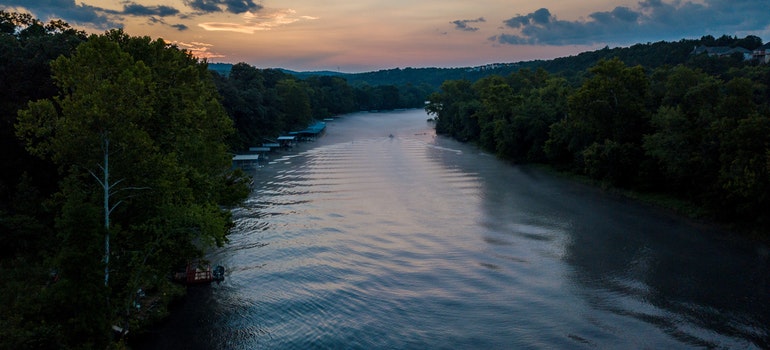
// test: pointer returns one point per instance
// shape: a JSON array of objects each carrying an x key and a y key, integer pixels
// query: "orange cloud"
[
  {"x": 198, "y": 49},
  {"x": 266, "y": 19}
]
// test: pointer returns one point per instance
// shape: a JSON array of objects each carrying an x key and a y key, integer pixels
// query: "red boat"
[{"x": 198, "y": 272}]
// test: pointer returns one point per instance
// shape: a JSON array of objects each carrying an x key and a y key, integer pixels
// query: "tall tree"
[
  {"x": 27, "y": 47},
  {"x": 103, "y": 103},
  {"x": 607, "y": 119},
  {"x": 682, "y": 140},
  {"x": 143, "y": 119},
  {"x": 454, "y": 108},
  {"x": 294, "y": 104}
]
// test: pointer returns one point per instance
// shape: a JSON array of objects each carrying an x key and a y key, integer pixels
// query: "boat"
[{"x": 200, "y": 272}]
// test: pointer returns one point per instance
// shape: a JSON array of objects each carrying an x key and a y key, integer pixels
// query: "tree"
[
  {"x": 27, "y": 236},
  {"x": 518, "y": 111},
  {"x": 496, "y": 115},
  {"x": 330, "y": 96},
  {"x": 454, "y": 108},
  {"x": 546, "y": 105},
  {"x": 682, "y": 139},
  {"x": 609, "y": 106},
  {"x": 104, "y": 102},
  {"x": 294, "y": 104},
  {"x": 750, "y": 42},
  {"x": 134, "y": 114},
  {"x": 248, "y": 103},
  {"x": 389, "y": 95},
  {"x": 744, "y": 175},
  {"x": 27, "y": 47}
]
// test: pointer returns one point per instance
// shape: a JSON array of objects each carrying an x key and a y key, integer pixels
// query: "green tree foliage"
[
  {"x": 27, "y": 236},
  {"x": 27, "y": 46},
  {"x": 263, "y": 103},
  {"x": 683, "y": 142},
  {"x": 293, "y": 104},
  {"x": 744, "y": 173},
  {"x": 710, "y": 138},
  {"x": 414, "y": 95},
  {"x": 508, "y": 116},
  {"x": 607, "y": 118},
  {"x": 454, "y": 109},
  {"x": 330, "y": 96},
  {"x": 154, "y": 111},
  {"x": 252, "y": 107},
  {"x": 536, "y": 100},
  {"x": 496, "y": 114},
  {"x": 700, "y": 135}
]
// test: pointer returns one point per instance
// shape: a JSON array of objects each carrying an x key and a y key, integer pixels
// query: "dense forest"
[
  {"x": 266, "y": 102},
  {"x": 697, "y": 132},
  {"x": 649, "y": 55},
  {"x": 116, "y": 171},
  {"x": 116, "y": 162}
]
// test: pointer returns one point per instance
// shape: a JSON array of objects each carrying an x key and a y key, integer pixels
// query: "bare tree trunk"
[
  {"x": 106, "y": 186},
  {"x": 104, "y": 181}
]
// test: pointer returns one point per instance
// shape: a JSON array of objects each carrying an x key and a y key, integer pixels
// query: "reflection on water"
[{"x": 360, "y": 240}]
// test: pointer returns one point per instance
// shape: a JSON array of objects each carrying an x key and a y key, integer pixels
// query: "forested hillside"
[
  {"x": 649, "y": 55},
  {"x": 264, "y": 103},
  {"x": 697, "y": 131},
  {"x": 117, "y": 173}
]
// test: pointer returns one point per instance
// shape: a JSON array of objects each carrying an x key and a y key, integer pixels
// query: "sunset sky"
[{"x": 368, "y": 35}]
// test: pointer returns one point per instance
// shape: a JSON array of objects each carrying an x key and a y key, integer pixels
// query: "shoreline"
[{"x": 667, "y": 204}]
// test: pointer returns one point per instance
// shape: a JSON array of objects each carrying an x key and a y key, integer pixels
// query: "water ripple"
[{"x": 417, "y": 242}]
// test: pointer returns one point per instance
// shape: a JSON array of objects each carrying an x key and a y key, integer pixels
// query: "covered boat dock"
[
  {"x": 311, "y": 132},
  {"x": 246, "y": 161}
]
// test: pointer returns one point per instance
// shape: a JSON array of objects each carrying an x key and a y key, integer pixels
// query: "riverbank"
[
  {"x": 697, "y": 215},
  {"x": 181, "y": 301}
]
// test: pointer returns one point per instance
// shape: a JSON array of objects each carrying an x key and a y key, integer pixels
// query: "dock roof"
[{"x": 245, "y": 157}]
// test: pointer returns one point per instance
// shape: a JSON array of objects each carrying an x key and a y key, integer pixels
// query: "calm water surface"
[{"x": 360, "y": 240}]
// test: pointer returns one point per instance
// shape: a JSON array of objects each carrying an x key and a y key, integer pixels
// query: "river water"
[{"x": 360, "y": 240}]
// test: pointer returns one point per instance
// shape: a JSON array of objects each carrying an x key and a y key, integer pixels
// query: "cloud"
[
  {"x": 649, "y": 20},
  {"x": 92, "y": 16},
  {"x": 180, "y": 27},
  {"x": 68, "y": 10},
  {"x": 266, "y": 19},
  {"x": 105, "y": 18},
  {"x": 234, "y": 6},
  {"x": 133, "y": 9},
  {"x": 540, "y": 17},
  {"x": 198, "y": 49},
  {"x": 462, "y": 24}
]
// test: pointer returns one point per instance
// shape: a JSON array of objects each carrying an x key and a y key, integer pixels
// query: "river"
[{"x": 382, "y": 235}]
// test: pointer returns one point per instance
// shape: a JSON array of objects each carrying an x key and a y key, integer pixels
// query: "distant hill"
[
  {"x": 430, "y": 76},
  {"x": 649, "y": 55},
  {"x": 221, "y": 68},
  {"x": 303, "y": 75},
  {"x": 398, "y": 76}
]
